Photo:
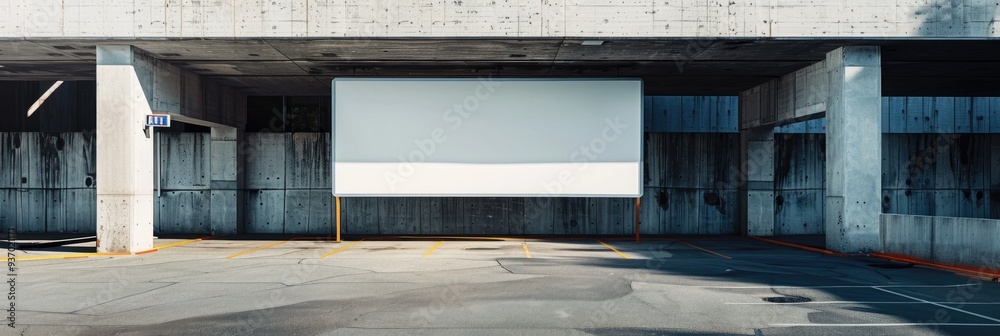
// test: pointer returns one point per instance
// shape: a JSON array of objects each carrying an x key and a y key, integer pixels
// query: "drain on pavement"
[
  {"x": 787, "y": 299},
  {"x": 891, "y": 265}
]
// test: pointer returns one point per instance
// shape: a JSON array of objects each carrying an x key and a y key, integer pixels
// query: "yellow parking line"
[
  {"x": 526, "y": 252},
  {"x": 257, "y": 249},
  {"x": 55, "y": 256},
  {"x": 614, "y": 249},
  {"x": 183, "y": 242},
  {"x": 340, "y": 249},
  {"x": 432, "y": 249},
  {"x": 70, "y": 256},
  {"x": 706, "y": 250}
]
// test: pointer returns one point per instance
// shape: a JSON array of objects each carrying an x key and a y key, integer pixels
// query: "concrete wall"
[
  {"x": 47, "y": 182},
  {"x": 800, "y": 95},
  {"x": 691, "y": 114},
  {"x": 526, "y": 18},
  {"x": 690, "y": 189},
  {"x": 799, "y": 183},
  {"x": 938, "y": 155},
  {"x": 957, "y": 241}
]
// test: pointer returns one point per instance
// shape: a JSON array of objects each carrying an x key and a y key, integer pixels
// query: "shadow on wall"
[{"x": 957, "y": 18}]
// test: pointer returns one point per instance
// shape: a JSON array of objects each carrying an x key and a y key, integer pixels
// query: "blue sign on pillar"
[{"x": 158, "y": 120}]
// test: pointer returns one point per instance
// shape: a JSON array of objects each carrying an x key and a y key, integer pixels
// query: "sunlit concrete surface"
[{"x": 271, "y": 285}]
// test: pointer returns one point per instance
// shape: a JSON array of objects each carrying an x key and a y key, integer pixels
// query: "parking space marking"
[
  {"x": 939, "y": 305},
  {"x": 706, "y": 250},
  {"x": 182, "y": 243},
  {"x": 614, "y": 249},
  {"x": 257, "y": 249},
  {"x": 883, "y": 324},
  {"x": 341, "y": 249},
  {"x": 824, "y": 287},
  {"x": 71, "y": 256},
  {"x": 527, "y": 253},
  {"x": 857, "y": 302},
  {"x": 108, "y": 254},
  {"x": 432, "y": 249}
]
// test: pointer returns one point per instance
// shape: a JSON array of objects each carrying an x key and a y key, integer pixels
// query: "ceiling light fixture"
[{"x": 592, "y": 43}]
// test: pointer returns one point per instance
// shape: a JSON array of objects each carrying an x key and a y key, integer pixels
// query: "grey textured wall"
[
  {"x": 799, "y": 183},
  {"x": 47, "y": 182},
  {"x": 949, "y": 240},
  {"x": 690, "y": 189},
  {"x": 47, "y": 179}
]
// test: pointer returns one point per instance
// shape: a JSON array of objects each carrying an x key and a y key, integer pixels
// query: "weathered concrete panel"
[
  {"x": 41, "y": 161},
  {"x": 265, "y": 211},
  {"x": 31, "y": 210},
  {"x": 8, "y": 208},
  {"x": 184, "y": 211},
  {"x": 981, "y": 115},
  {"x": 914, "y": 111},
  {"x": 81, "y": 210},
  {"x": 185, "y": 161},
  {"x": 265, "y": 161},
  {"x": 908, "y": 235},
  {"x": 698, "y": 114},
  {"x": 799, "y": 212},
  {"x": 10, "y": 160},
  {"x": 296, "y": 212},
  {"x": 489, "y": 216},
  {"x": 221, "y": 220},
  {"x": 539, "y": 216},
  {"x": 307, "y": 160},
  {"x": 308, "y": 212},
  {"x": 321, "y": 216},
  {"x": 79, "y": 159},
  {"x": 359, "y": 215}
]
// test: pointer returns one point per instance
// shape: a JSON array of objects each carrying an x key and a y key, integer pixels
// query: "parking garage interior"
[{"x": 938, "y": 109}]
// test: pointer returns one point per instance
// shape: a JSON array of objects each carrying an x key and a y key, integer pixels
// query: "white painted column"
[
  {"x": 227, "y": 181},
  {"x": 758, "y": 164},
  {"x": 853, "y": 149},
  {"x": 124, "y": 155}
]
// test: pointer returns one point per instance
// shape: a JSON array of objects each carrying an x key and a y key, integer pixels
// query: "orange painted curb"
[
  {"x": 807, "y": 248},
  {"x": 907, "y": 259}
]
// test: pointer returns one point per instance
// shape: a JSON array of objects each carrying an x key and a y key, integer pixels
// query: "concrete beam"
[
  {"x": 184, "y": 95},
  {"x": 795, "y": 97},
  {"x": 519, "y": 18},
  {"x": 854, "y": 149}
]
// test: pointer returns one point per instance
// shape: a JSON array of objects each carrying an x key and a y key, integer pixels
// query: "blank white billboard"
[{"x": 487, "y": 137}]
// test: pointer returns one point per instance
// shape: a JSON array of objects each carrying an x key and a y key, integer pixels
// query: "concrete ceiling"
[{"x": 668, "y": 67}]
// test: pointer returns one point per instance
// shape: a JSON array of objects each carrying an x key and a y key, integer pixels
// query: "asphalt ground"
[{"x": 278, "y": 285}]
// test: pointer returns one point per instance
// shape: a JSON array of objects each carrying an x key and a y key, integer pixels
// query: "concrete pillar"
[
  {"x": 758, "y": 164},
  {"x": 853, "y": 149},
  {"x": 124, "y": 155},
  {"x": 227, "y": 181}
]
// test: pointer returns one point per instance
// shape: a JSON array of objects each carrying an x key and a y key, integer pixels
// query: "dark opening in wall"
[
  {"x": 288, "y": 114},
  {"x": 72, "y": 107}
]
